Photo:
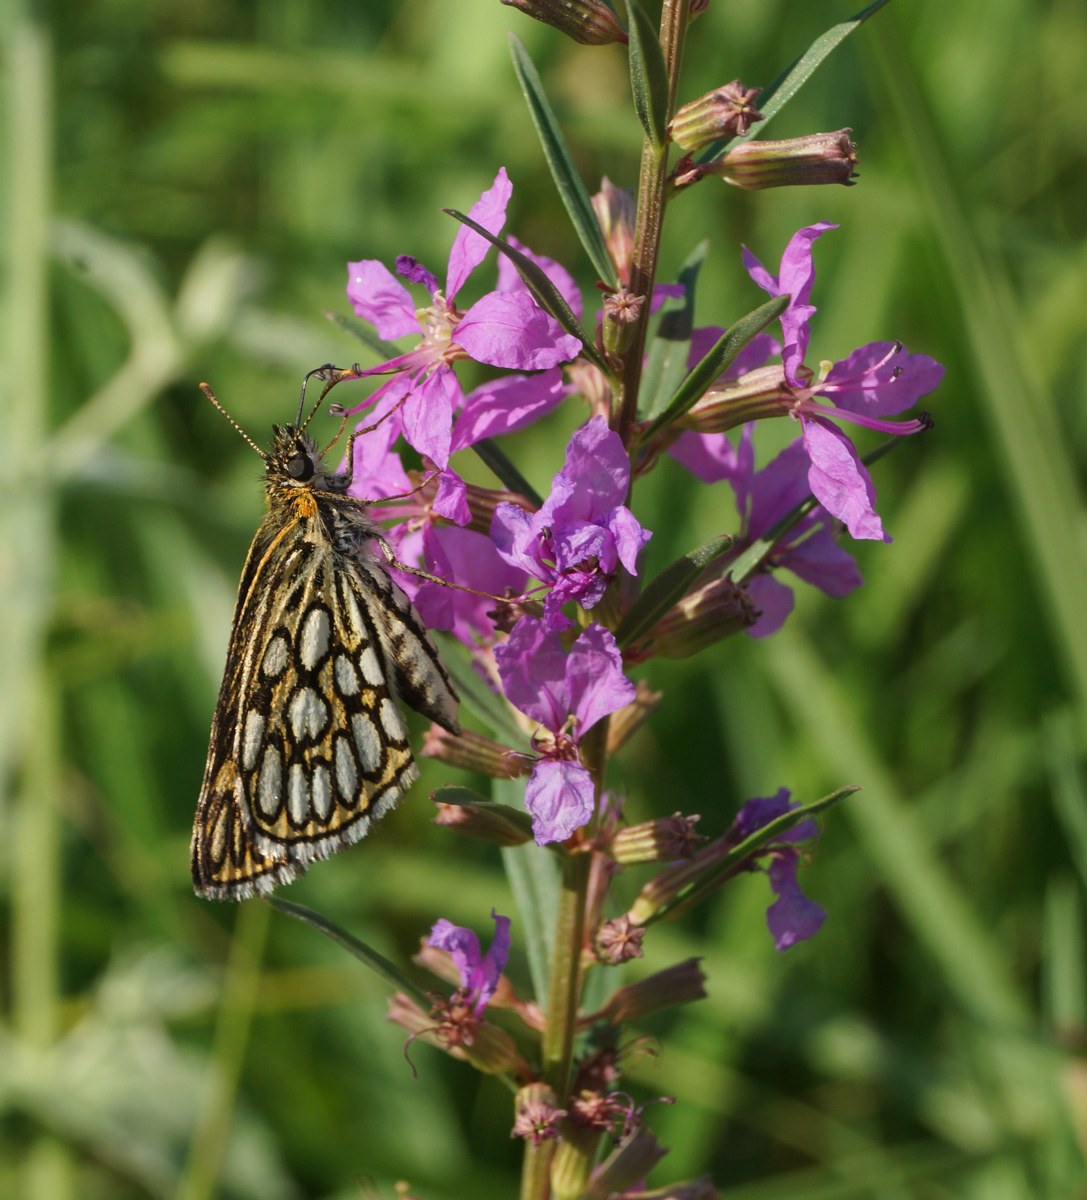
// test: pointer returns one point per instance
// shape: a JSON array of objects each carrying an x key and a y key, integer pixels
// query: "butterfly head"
[{"x": 293, "y": 460}]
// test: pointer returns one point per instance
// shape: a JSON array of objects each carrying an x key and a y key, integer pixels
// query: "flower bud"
[
  {"x": 711, "y": 613},
  {"x": 731, "y": 402},
  {"x": 662, "y": 840},
  {"x": 537, "y": 1115},
  {"x": 631, "y": 716},
  {"x": 675, "y": 985},
  {"x": 589, "y": 22},
  {"x": 473, "y": 752},
  {"x": 659, "y": 896},
  {"x": 698, "y": 6},
  {"x": 618, "y": 941},
  {"x": 493, "y": 1051},
  {"x": 621, "y": 312},
  {"x": 573, "y": 1161},
  {"x": 630, "y": 1161},
  {"x": 592, "y": 386},
  {"x": 817, "y": 158},
  {"x": 495, "y": 823},
  {"x": 725, "y": 112},
  {"x": 616, "y": 212}
]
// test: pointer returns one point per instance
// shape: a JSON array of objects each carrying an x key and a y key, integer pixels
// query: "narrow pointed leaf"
[
  {"x": 698, "y": 889},
  {"x": 465, "y": 796},
  {"x": 666, "y": 363},
  {"x": 377, "y": 963},
  {"x": 718, "y": 359},
  {"x": 362, "y": 332},
  {"x": 571, "y": 188},
  {"x": 666, "y": 589},
  {"x": 489, "y": 452},
  {"x": 774, "y": 97},
  {"x": 535, "y": 278},
  {"x": 648, "y": 74},
  {"x": 534, "y": 878},
  {"x": 751, "y": 559}
]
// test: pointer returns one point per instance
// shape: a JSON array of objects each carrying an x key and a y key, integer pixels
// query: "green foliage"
[{"x": 214, "y": 169}]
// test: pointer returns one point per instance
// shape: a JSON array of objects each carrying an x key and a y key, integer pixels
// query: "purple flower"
[
  {"x": 792, "y": 917},
  {"x": 876, "y": 380},
  {"x": 478, "y": 972},
  {"x": 567, "y": 694},
  {"x": 505, "y": 328},
  {"x": 583, "y": 532}
]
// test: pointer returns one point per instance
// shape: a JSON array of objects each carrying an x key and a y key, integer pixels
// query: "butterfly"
[{"x": 308, "y": 742}]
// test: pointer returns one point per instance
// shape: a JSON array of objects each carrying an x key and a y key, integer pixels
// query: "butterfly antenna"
[
  {"x": 206, "y": 389},
  {"x": 330, "y": 376}
]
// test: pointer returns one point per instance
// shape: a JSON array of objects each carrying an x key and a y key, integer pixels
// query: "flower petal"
[
  {"x": 428, "y": 414},
  {"x": 484, "y": 979},
  {"x": 559, "y": 795},
  {"x": 532, "y": 668},
  {"x": 469, "y": 249},
  {"x": 594, "y": 478},
  {"x": 820, "y": 561},
  {"x": 595, "y": 682},
  {"x": 710, "y": 457},
  {"x": 378, "y": 297},
  {"x": 451, "y": 499},
  {"x": 840, "y": 481},
  {"x": 509, "y": 329},
  {"x": 866, "y": 382},
  {"x": 507, "y": 404},
  {"x": 514, "y": 533},
  {"x": 510, "y": 281},
  {"x": 792, "y": 917},
  {"x": 462, "y": 945},
  {"x": 628, "y": 534},
  {"x": 774, "y": 601}
]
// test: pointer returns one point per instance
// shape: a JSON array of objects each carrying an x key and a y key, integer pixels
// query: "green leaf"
[
  {"x": 774, "y": 97},
  {"x": 477, "y": 696},
  {"x": 571, "y": 189},
  {"x": 536, "y": 279},
  {"x": 666, "y": 363},
  {"x": 648, "y": 74},
  {"x": 710, "y": 880},
  {"x": 488, "y": 451},
  {"x": 362, "y": 332},
  {"x": 665, "y": 589},
  {"x": 718, "y": 359},
  {"x": 534, "y": 877},
  {"x": 376, "y": 962}
]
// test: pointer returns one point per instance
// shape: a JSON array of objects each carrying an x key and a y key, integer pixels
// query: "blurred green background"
[{"x": 183, "y": 183}]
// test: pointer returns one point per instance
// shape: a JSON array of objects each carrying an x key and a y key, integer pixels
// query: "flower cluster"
[{"x": 552, "y": 600}]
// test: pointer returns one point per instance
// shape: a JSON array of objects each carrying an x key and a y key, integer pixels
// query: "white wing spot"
[
  {"x": 347, "y": 678},
  {"x": 392, "y": 721},
  {"x": 254, "y": 732},
  {"x": 313, "y": 644},
  {"x": 322, "y": 793},
  {"x": 368, "y": 741},
  {"x": 347, "y": 776},
  {"x": 370, "y": 666},
  {"x": 308, "y": 714},
  {"x": 270, "y": 783},
  {"x": 298, "y": 795},
  {"x": 354, "y": 616},
  {"x": 275, "y": 658}
]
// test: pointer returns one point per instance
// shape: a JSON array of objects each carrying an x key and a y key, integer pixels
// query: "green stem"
[
  {"x": 536, "y": 1171},
  {"x": 675, "y": 15},
  {"x": 562, "y": 1001},
  {"x": 199, "y": 1180}
]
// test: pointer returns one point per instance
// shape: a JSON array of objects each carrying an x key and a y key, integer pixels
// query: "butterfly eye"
[{"x": 300, "y": 467}]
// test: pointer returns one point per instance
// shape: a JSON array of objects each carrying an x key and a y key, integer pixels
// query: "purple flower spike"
[
  {"x": 503, "y": 328},
  {"x": 478, "y": 972},
  {"x": 552, "y": 687},
  {"x": 583, "y": 532},
  {"x": 792, "y": 917}
]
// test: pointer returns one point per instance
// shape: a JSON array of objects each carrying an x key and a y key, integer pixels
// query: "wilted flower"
[
  {"x": 618, "y": 941},
  {"x": 537, "y": 1116},
  {"x": 567, "y": 694},
  {"x": 616, "y": 212},
  {"x": 589, "y": 22}
]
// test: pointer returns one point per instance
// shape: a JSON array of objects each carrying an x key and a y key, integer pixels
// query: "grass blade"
[{"x": 666, "y": 363}]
